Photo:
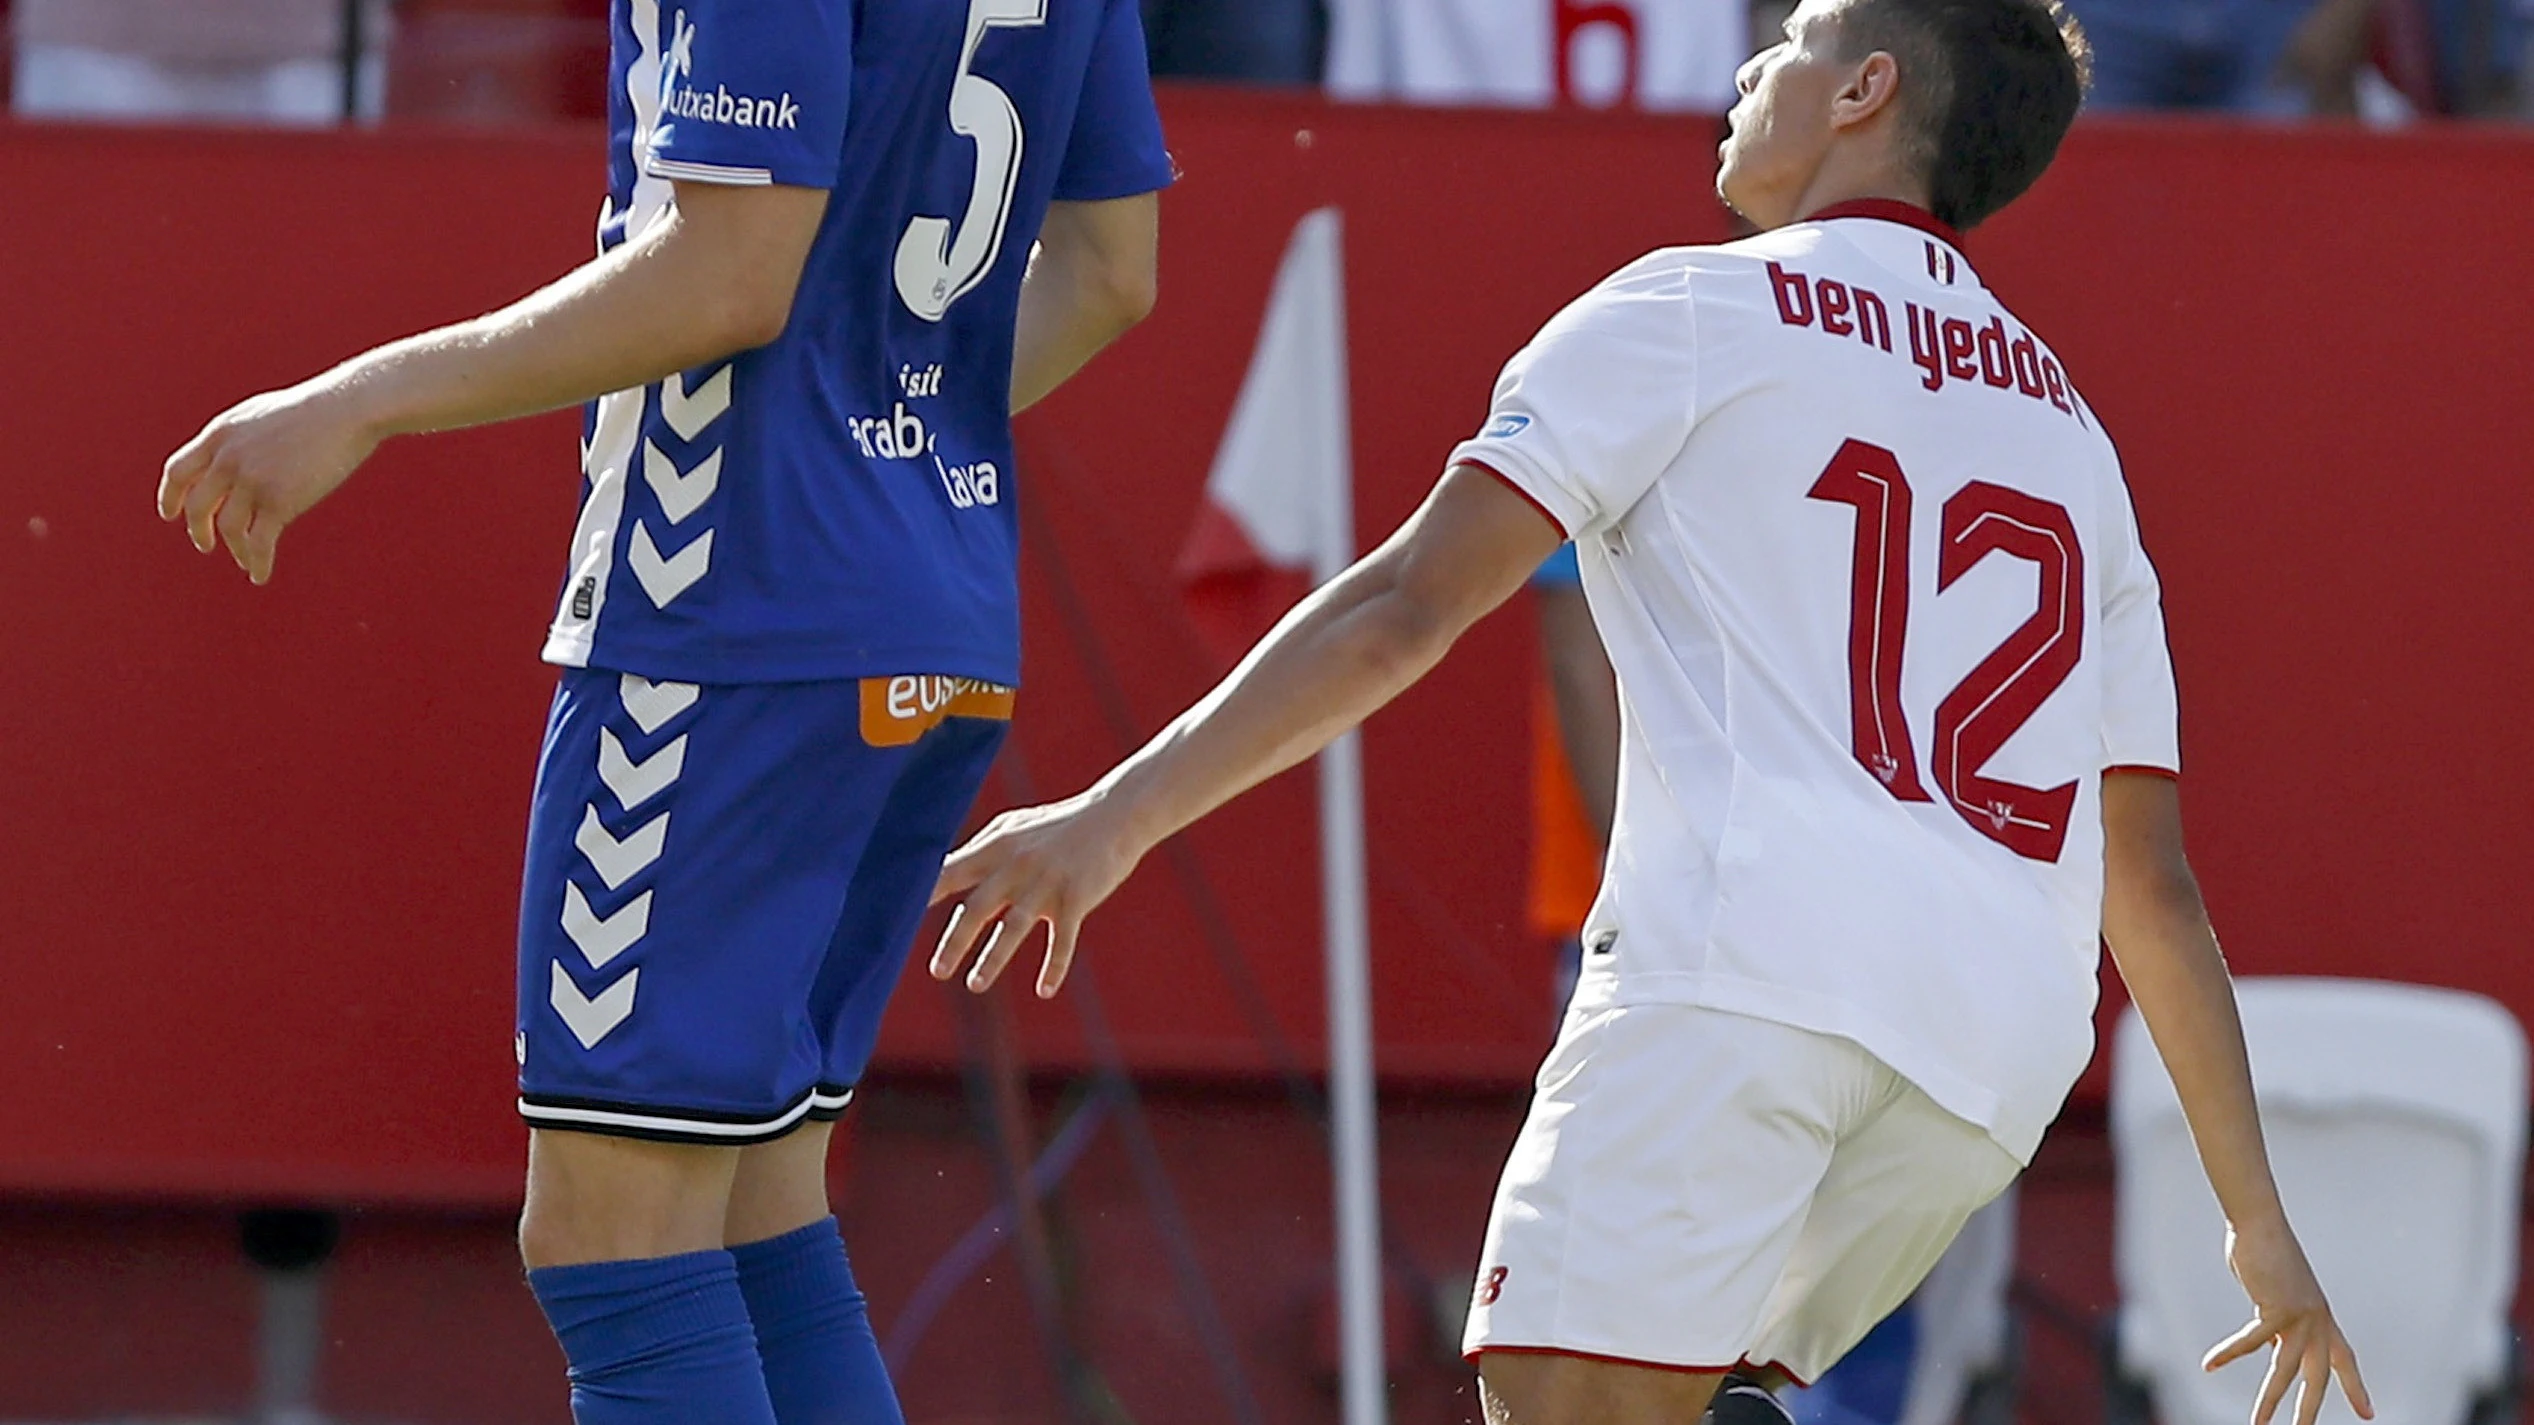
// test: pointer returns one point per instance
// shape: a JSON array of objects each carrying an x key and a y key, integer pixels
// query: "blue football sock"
[
  {"x": 662, "y": 1341},
  {"x": 822, "y": 1364}
]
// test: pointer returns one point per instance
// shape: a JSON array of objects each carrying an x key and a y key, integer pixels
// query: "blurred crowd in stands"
[{"x": 2383, "y": 62}]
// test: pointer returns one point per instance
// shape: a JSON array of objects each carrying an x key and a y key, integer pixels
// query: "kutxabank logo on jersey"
[{"x": 680, "y": 99}]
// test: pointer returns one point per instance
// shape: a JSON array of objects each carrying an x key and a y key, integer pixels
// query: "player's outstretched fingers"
[
  {"x": 1010, "y": 934},
  {"x": 2285, "y": 1358},
  {"x": 202, "y": 505},
  {"x": 176, "y": 478},
  {"x": 262, "y": 537},
  {"x": 1062, "y": 929},
  {"x": 233, "y": 523},
  {"x": 2255, "y": 1334},
  {"x": 2314, "y": 1382},
  {"x": 2345, "y": 1365},
  {"x": 974, "y": 915}
]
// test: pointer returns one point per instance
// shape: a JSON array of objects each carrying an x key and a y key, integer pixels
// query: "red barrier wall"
[{"x": 257, "y": 848}]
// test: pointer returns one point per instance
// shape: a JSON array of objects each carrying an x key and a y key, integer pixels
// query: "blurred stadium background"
[{"x": 258, "y": 849}]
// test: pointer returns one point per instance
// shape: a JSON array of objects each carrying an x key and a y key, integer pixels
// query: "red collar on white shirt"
[{"x": 1891, "y": 210}]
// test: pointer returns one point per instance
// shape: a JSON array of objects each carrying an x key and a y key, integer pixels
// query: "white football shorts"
[{"x": 1697, "y": 1190}]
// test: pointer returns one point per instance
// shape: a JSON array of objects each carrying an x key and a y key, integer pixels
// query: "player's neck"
[{"x": 1843, "y": 178}]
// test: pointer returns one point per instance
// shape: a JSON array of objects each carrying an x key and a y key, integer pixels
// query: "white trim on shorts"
[{"x": 671, "y": 1125}]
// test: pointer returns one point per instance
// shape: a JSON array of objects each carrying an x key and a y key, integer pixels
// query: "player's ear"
[{"x": 1872, "y": 88}]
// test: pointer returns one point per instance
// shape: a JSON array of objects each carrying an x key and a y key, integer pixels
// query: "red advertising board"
[{"x": 258, "y": 847}]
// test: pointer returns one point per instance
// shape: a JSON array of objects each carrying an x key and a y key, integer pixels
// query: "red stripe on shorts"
[{"x": 1746, "y": 1363}]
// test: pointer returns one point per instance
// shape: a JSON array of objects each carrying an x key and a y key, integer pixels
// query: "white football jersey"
[{"x": 1867, "y": 570}]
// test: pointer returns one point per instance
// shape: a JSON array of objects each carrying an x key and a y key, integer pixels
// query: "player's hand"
[
  {"x": 261, "y": 464},
  {"x": 1051, "y": 863},
  {"x": 2290, "y": 1316}
]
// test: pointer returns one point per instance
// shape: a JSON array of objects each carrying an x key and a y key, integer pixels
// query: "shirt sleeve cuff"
[
  {"x": 1516, "y": 468},
  {"x": 684, "y": 170},
  {"x": 698, "y": 160},
  {"x": 1122, "y": 182}
]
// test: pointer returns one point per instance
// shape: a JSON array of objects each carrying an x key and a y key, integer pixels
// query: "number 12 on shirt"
[
  {"x": 935, "y": 266},
  {"x": 1996, "y": 697}
]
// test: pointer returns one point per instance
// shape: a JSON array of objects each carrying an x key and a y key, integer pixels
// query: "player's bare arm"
[
  {"x": 1358, "y": 642},
  {"x": 1096, "y": 273},
  {"x": 717, "y": 277},
  {"x": 2159, "y": 933}
]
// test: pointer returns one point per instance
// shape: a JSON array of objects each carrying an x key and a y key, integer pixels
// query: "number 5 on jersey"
[
  {"x": 2009, "y": 685},
  {"x": 935, "y": 266}
]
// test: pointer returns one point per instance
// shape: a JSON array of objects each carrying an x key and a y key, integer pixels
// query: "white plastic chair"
[{"x": 2396, "y": 1121}]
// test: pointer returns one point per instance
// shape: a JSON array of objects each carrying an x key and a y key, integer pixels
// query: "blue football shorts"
[{"x": 722, "y": 885}]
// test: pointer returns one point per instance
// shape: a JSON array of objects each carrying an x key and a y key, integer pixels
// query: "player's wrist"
[
  {"x": 2262, "y": 1225},
  {"x": 359, "y": 395},
  {"x": 1131, "y": 813}
]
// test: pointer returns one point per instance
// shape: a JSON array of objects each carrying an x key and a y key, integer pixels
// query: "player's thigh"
[
  {"x": 779, "y": 1187},
  {"x": 1524, "y": 1389},
  {"x": 892, "y": 889},
  {"x": 782, "y": 1185},
  {"x": 690, "y": 847},
  {"x": 1657, "y": 1187},
  {"x": 596, "y": 1197},
  {"x": 1898, "y": 1190}
]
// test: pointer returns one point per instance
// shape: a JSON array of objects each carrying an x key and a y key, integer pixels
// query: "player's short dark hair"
[{"x": 1988, "y": 88}]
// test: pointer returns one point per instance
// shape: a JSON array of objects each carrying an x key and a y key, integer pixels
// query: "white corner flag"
[
  {"x": 1279, "y": 518},
  {"x": 1279, "y": 515}
]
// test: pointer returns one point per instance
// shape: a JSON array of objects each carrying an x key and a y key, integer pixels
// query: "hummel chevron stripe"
[
  {"x": 665, "y": 579},
  {"x": 688, "y": 415},
  {"x": 680, "y": 495},
  {"x": 637, "y": 782},
  {"x": 591, "y": 1020},
  {"x": 604, "y": 940},
  {"x": 653, "y": 704},
  {"x": 618, "y": 861}
]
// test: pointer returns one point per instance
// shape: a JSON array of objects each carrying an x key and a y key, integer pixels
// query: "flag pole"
[
  {"x": 1355, "y": 1147},
  {"x": 1346, "y": 920}
]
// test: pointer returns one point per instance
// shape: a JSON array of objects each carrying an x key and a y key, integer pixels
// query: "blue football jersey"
[{"x": 839, "y": 502}]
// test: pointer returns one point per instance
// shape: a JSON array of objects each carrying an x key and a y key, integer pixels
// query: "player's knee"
[
  {"x": 552, "y": 1235},
  {"x": 542, "y": 1242}
]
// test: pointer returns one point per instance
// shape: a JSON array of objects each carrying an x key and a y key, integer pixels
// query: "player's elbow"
[
  {"x": 1391, "y": 643},
  {"x": 745, "y": 315},
  {"x": 1124, "y": 291},
  {"x": 732, "y": 260},
  {"x": 1419, "y": 623},
  {"x": 1137, "y": 293},
  {"x": 1107, "y": 254}
]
